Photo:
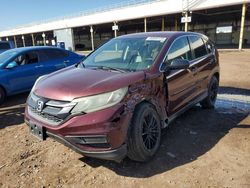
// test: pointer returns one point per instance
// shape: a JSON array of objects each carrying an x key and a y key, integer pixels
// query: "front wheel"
[
  {"x": 144, "y": 135},
  {"x": 209, "y": 101}
]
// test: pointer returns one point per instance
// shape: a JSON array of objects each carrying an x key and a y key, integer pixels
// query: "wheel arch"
[
  {"x": 4, "y": 89},
  {"x": 217, "y": 75},
  {"x": 149, "y": 101}
]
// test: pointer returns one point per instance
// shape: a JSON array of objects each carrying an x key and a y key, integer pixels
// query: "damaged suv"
[{"x": 118, "y": 99}]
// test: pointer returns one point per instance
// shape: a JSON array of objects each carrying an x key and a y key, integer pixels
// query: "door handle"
[
  {"x": 193, "y": 69},
  {"x": 211, "y": 61},
  {"x": 66, "y": 61},
  {"x": 39, "y": 66}
]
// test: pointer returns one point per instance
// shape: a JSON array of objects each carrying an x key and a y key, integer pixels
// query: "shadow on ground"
[
  {"x": 234, "y": 91},
  {"x": 11, "y": 112},
  {"x": 187, "y": 138}
]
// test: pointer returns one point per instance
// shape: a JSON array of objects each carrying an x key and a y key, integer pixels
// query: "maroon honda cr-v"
[{"x": 116, "y": 101}]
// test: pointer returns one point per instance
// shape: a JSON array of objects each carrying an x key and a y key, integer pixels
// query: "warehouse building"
[{"x": 226, "y": 22}]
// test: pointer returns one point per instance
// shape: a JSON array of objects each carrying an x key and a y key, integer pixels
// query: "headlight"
[
  {"x": 99, "y": 102},
  {"x": 37, "y": 80}
]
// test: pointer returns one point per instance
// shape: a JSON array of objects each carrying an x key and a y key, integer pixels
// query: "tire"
[
  {"x": 2, "y": 95},
  {"x": 209, "y": 101},
  {"x": 144, "y": 134}
]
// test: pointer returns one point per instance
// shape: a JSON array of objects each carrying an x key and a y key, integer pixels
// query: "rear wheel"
[
  {"x": 2, "y": 95},
  {"x": 209, "y": 101},
  {"x": 145, "y": 133}
]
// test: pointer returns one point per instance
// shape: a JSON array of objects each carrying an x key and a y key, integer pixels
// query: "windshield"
[
  {"x": 5, "y": 56},
  {"x": 131, "y": 54}
]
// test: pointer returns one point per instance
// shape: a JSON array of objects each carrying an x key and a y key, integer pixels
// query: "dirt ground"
[{"x": 202, "y": 148}]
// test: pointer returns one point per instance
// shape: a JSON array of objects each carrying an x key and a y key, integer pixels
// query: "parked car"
[
  {"x": 20, "y": 67},
  {"x": 116, "y": 101},
  {"x": 6, "y": 45}
]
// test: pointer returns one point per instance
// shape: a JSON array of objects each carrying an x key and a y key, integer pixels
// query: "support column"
[
  {"x": 163, "y": 24},
  {"x": 145, "y": 24},
  {"x": 92, "y": 37},
  {"x": 243, "y": 15},
  {"x": 15, "y": 41},
  {"x": 23, "y": 41},
  {"x": 33, "y": 40},
  {"x": 44, "y": 39},
  {"x": 175, "y": 24},
  {"x": 186, "y": 22},
  {"x": 7, "y": 39},
  {"x": 115, "y": 28}
]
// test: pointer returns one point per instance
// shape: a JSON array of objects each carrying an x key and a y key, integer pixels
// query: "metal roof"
[{"x": 120, "y": 12}]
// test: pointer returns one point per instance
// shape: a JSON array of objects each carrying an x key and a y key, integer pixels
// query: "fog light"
[{"x": 88, "y": 139}]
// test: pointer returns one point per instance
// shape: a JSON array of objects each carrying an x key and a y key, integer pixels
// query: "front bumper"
[
  {"x": 111, "y": 123},
  {"x": 114, "y": 154}
]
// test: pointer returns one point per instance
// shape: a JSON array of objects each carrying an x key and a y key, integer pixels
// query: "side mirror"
[
  {"x": 179, "y": 64},
  {"x": 11, "y": 65}
]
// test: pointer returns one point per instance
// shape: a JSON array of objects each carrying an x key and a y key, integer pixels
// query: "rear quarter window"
[
  {"x": 209, "y": 45},
  {"x": 4, "y": 46},
  {"x": 198, "y": 46},
  {"x": 50, "y": 54}
]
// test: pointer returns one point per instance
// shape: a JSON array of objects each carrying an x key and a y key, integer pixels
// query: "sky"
[{"x": 19, "y": 12}]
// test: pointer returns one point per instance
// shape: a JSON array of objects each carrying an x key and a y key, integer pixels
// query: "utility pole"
[
  {"x": 186, "y": 18},
  {"x": 92, "y": 37},
  {"x": 115, "y": 28}
]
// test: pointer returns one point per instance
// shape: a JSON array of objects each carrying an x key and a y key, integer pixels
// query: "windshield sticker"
[{"x": 160, "y": 39}]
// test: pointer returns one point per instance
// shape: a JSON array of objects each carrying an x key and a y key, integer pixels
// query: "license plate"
[{"x": 37, "y": 131}]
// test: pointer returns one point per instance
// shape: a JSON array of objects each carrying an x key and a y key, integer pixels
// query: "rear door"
[
  {"x": 201, "y": 64},
  {"x": 181, "y": 83},
  {"x": 52, "y": 60}
]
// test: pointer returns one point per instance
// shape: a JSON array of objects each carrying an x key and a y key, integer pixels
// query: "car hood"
[{"x": 70, "y": 83}]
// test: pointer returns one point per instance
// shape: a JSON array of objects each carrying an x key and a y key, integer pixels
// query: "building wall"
[{"x": 66, "y": 36}]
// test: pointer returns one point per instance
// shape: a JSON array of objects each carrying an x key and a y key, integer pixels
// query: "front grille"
[
  {"x": 47, "y": 118},
  {"x": 52, "y": 112}
]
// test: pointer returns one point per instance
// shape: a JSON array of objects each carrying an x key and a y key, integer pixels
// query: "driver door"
[
  {"x": 22, "y": 77},
  {"x": 181, "y": 84}
]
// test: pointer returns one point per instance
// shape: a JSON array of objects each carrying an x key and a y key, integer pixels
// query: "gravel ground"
[{"x": 202, "y": 148}]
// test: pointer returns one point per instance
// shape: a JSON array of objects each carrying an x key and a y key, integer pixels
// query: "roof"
[
  {"x": 167, "y": 34},
  {"x": 140, "y": 10},
  {"x": 22, "y": 49}
]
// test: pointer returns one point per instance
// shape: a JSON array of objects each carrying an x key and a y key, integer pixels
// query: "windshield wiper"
[
  {"x": 110, "y": 68},
  {"x": 80, "y": 63}
]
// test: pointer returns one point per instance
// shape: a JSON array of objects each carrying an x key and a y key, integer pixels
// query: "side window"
[
  {"x": 179, "y": 49},
  {"x": 27, "y": 58},
  {"x": 4, "y": 46},
  {"x": 53, "y": 54},
  {"x": 198, "y": 46}
]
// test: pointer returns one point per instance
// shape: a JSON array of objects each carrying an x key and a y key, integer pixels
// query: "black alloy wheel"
[
  {"x": 144, "y": 134},
  {"x": 210, "y": 100}
]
